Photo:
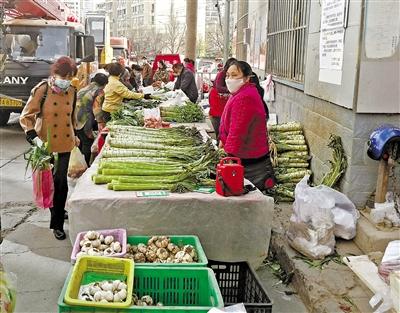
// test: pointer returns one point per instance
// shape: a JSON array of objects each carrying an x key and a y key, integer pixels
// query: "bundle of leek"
[
  {"x": 187, "y": 113},
  {"x": 289, "y": 156},
  {"x": 339, "y": 163}
]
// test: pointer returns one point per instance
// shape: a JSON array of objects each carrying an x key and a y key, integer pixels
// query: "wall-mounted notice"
[{"x": 331, "y": 43}]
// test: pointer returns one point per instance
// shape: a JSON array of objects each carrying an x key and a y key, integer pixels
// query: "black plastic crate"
[{"x": 239, "y": 283}]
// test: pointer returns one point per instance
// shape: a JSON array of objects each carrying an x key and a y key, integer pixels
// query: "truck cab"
[{"x": 31, "y": 46}]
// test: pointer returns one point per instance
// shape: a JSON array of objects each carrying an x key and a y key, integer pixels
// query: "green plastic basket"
[
  {"x": 178, "y": 240},
  {"x": 181, "y": 290}
]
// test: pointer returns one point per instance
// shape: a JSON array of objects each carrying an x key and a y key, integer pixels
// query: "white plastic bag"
[
  {"x": 325, "y": 200},
  {"x": 77, "y": 164},
  {"x": 386, "y": 211},
  {"x": 152, "y": 118},
  {"x": 269, "y": 89}
]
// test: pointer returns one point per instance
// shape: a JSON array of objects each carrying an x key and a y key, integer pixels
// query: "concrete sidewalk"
[{"x": 335, "y": 288}]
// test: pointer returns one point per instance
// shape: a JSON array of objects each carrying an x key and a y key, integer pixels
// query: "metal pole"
[{"x": 226, "y": 32}]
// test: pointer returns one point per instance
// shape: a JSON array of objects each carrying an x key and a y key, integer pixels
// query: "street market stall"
[{"x": 230, "y": 228}]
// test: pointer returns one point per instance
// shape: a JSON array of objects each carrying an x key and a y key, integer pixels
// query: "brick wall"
[{"x": 321, "y": 118}]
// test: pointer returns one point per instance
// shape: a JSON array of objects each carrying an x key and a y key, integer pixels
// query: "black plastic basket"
[{"x": 239, "y": 284}]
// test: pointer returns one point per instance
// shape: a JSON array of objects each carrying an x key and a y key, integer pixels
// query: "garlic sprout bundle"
[
  {"x": 96, "y": 244},
  {"x": 161, "y": 250},
  {"x": 105, "y": 291}
]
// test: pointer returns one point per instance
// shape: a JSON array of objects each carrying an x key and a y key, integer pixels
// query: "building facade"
[{"x": 347, "y": 91}]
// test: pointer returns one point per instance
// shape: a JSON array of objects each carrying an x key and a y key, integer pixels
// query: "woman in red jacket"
[
  {"x": 243, "y": 129},
  {"x": 218, "y": 97}
]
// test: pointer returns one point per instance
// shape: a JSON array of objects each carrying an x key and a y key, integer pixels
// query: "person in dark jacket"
[{"x": 186, "y": 81}]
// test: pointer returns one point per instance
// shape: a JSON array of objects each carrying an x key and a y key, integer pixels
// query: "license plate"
[{"x": 4, "y": 102}]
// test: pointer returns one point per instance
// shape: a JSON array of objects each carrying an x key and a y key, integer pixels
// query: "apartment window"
[
  {"x": 152, "y": 20},
  {"x": 152, "y": 8},
  {"x": 286, "y": 33}
]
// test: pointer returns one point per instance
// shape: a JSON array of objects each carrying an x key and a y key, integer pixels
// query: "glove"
[
  {"x": 37, "y": 141},
  {"x": 147, "y": 96},
  {"x": 30, "y": 135}
]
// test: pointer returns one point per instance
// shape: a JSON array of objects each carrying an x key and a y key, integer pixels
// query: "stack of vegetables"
[
  {"x": 131, "y": 113},
  {"x": 137, "y": 158},
  {"x": 289, "y": 156},
  {"x": 187, "y": 113}
]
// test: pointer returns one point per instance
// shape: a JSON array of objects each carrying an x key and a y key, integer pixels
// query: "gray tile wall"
[{"x": 321, "y": 118}]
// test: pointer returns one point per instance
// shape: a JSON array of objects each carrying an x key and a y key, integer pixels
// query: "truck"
[
  {"x": 34, "y": 34},
  {"x": 97, "y": 24},
  {"x": 120, "y": 46}
]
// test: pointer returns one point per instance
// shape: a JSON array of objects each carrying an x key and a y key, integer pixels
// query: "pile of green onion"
[
  {"x": 289, "y": 156},
  {"x": 137, "y": 158}
]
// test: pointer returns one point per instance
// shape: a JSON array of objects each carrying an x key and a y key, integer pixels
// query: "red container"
[
  {"x": 102, "y": 139},
  {"x": 230, "y": 177}
]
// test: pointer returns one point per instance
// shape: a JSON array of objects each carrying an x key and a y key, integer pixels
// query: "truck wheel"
[{"x": 4, "y": 116}]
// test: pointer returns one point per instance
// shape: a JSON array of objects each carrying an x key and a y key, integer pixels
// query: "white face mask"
[{"x": 234, "y": 85}]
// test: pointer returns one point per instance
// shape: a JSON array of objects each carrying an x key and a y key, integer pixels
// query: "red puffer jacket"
[{"x": 243, "y": 129}]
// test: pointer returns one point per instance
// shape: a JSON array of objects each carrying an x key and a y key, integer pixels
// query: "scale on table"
[{"x": 384, "y": 146}]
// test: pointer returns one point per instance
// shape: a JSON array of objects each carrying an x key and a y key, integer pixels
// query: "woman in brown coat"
[{"x": 50, "y": 109}]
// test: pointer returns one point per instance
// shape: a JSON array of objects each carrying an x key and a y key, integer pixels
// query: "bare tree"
[
  {"x": 214, "y": 43},
  {"x": 174, "y": 35}
]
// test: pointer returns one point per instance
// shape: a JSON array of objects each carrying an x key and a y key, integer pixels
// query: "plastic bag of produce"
[
  {"x": 43, "y": 188},
  {"x": 327, "y": 201},
  {"x": 77, "y": 164}
]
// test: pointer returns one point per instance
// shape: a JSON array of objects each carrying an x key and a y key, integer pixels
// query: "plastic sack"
[
  {"x": 390, "y": 261},
  {"x": 94, "y": 149},
  {"x": 386, "y": 211},
  {"x": 269, "y": 89},
  {"x": 326, "y": 201},
  {"x": 8, "y": 283},
  {"x": 43, "y": 188},
  {"x": 236, "y": 308},
  {"x": 77, "y": 164}
]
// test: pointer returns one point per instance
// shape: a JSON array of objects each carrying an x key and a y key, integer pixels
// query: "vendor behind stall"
[
  {"x": 186, "y": 81},
  {"x": 243, "y": 129},
  {"x": 115, "y": 91}
]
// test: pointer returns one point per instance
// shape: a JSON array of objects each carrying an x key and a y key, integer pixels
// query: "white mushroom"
[
  {"x": 122, "y": 294},
  {"x": 139, "y": 257},
  {"x": 180, "y": 255},
  {"x": 108, "y": 252},
  {"x": 116, "y": 298},
  {"x": 122, "y": 285},
  {"x": 162, "y": 253},
  {"x": 151, "y": 256},
  {"x": 108, "y": 240},
  {"x": 147, "y": 299},
  {"x": 142, "y": 248},
  {"x": 91, "y": 235},
  {"x": 109, "y": 296},
  {"x": 94, "y": 252},
  {"x": 96, "y": 243},
  {"x": 101, "y": 238},
  {"x": 103, "y": 301},
  {"x": 115, "y": 284},
  {"x": 152, "y": 240},
  {"x": 116, "y": 246},
  {"x": 93, "y": 289},
  {"x": 173, "y": 248},
  {"x": 103, "y": 247},
  {"x": 79, "y": 254},
  {"x": 107, "y": 286},
  {"x": 98, "y": 296}
]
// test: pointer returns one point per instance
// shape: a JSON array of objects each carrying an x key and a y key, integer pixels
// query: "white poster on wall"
[{"x": 331, "y": 44}]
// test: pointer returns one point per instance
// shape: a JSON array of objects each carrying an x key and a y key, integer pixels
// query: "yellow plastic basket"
[{"x": 89, "y": 269}]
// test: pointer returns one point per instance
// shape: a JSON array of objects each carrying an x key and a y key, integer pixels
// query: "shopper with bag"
[
  {"x": 89, "y": 116},
  {"x": 218, "y": 97},
  {"x": 50, "y": 110},
  {"x": 243, "y": 129}
]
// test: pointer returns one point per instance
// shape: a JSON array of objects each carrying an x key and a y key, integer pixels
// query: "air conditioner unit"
[{"x": 246, "y": 35}]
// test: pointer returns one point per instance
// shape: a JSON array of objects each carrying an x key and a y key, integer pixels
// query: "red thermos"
[
  {"x": 230, "y": 177},
  {"x": 102, "y": 139}
]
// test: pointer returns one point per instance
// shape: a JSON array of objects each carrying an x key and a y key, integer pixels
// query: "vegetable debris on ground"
[
  {"x": 338, "y": 164},
  {"x": 320, "y": 264},
  {"x": 175, "y": 159},
  {"x": 289, "y": 156}
]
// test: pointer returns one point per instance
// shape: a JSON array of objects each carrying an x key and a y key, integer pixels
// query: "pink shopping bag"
[{"x": 43, "y": 188}]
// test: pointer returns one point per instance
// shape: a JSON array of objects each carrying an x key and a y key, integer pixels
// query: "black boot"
[{"x": 59, "y": 234}]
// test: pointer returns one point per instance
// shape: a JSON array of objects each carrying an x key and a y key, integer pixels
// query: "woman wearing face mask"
[
  {"x": 243, "y": 129},
  {"x": 147, "y": 73},
  {"x": 218, "y": 97},
  {"x": 50, "y": 109}
]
